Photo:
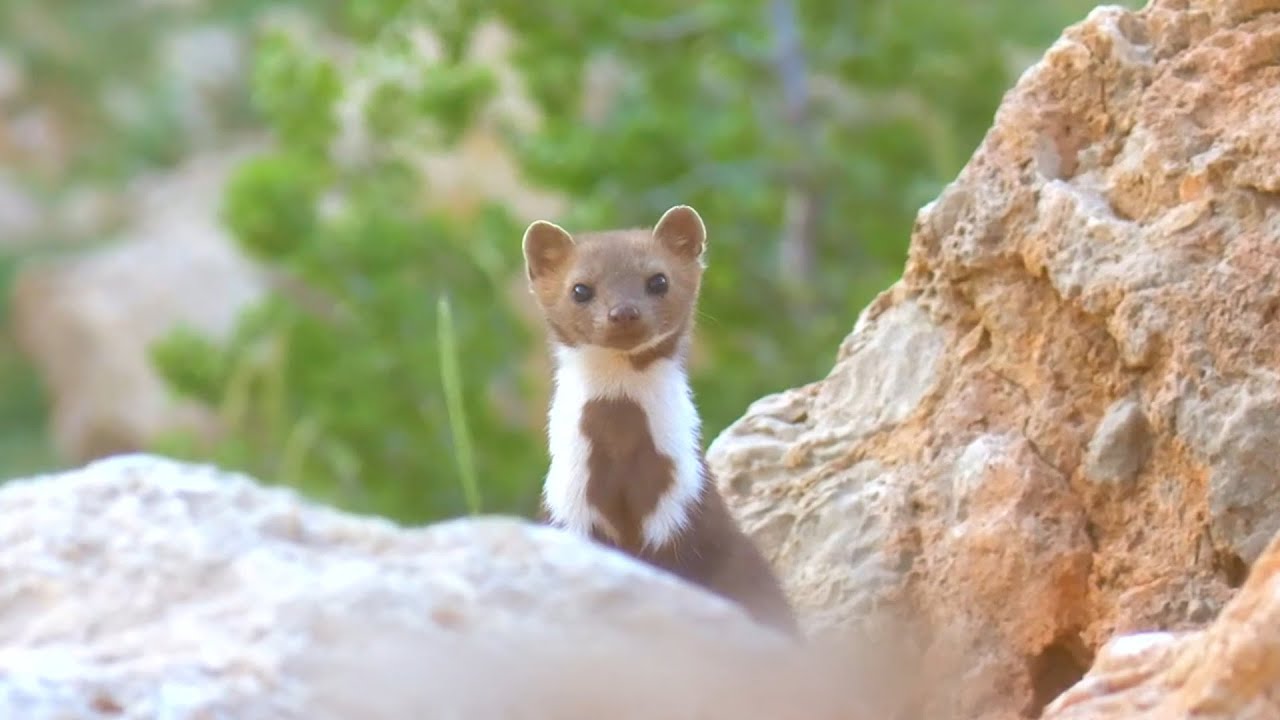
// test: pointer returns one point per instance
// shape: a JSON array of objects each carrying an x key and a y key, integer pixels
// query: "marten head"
[{"x": 626, "y": 290}]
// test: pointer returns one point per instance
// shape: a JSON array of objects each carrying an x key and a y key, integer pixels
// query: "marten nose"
[{"x": 624, "y": 314}]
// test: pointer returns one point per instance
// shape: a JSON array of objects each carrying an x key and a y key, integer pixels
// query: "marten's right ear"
[
  {"x": 681, "y": 230},
  {"x": 546, "y": 248}
]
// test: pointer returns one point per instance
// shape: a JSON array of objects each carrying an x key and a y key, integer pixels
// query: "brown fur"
[
  {"x": 616, "y": 265},
  {"x": 628, "y": 475}
]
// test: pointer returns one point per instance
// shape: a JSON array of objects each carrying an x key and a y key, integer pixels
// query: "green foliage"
[
  {"x": 270, "y": 203},
  {"x": 901, "y": 92},
  {"x": 296, "y": 93},
  {"x": 100, "y": 68},
  {"x": 364, "y": 378},
  {"x": 381, "y": 373},
  {"x": 194, "y": 364}
]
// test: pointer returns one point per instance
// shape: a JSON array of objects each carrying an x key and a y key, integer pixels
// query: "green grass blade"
[{"x": 451, "y": 379}]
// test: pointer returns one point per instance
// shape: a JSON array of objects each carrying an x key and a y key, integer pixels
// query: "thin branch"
[
  {"x": 803, "y": 202},
  {"x": 310, "y": 301},
  {"x": 789, "y": 61},
  {"x": 670, "y": 29}
]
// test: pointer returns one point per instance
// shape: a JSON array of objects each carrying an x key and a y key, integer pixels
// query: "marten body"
[{"x": 627, "y": 465}]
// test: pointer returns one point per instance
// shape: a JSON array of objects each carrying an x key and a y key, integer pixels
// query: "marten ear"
[
  {"x": 546, "y": 248},
  {"x": 681, "y": 231}
]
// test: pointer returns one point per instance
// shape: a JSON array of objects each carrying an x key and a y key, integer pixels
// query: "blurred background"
[{"x": 285, "y": 237}]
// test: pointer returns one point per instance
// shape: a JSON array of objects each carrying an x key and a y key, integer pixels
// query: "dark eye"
[
  {"x": 583, "y": 293},
  {"x": 656, "y": 285}
]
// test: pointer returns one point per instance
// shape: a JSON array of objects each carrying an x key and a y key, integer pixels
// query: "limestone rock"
[
  {"x": 34, "y": 140},
  {"x": 208, "y": 63},
  {"x": 12, "y": 77},
  {"x": 1119, "y": 447},
  {"x": 1061, "y": 423},
  {"x": 1231, "y": 670},
  {"x": 138, "y": 587},
  {"x": 87, "y": 320},
  {"x": 20, "y": 214}
]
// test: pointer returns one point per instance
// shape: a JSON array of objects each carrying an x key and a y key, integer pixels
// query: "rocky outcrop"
[
  {"x": 1060, "y": 424},
  {"x": 87, "y": 320},
  {"x": 137, "y": 587},
  {"x": 1231, "y": 671},
  {"x": 19, "y": 212}
]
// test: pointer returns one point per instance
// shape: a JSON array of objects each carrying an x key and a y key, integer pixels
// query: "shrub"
[{"x": 806, "y": 132}]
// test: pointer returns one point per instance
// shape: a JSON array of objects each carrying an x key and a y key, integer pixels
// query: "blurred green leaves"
[
  {"x": 270, "y": 203},
  {"x": 356, "y": 379},
  {"x": 296, "y": 91},
  {"x": 193, "y": 364},
  {"x": 384, "y": 372}
]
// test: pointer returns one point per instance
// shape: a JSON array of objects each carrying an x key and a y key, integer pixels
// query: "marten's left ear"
[
  {"x": 681, "y": 231},
  {"x": 546, "y": 248}
]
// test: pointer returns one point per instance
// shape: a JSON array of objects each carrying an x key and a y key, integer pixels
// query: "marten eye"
[
  {"x": 583, "y": 293},
  {"x": 656, "y": 285}
]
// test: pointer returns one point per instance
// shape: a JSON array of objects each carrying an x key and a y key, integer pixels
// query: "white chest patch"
[{"x": 662, "y": 391}]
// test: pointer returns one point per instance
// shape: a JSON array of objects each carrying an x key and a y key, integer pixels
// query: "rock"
[
  {"x": 207, "y": 65},
  {"x": 20, "y": 214},
  {"x": 87, "y": 211},
  {"x": 139, "y": 587},
  {"x": 12, "y": 78},
  {"x": 35, "y": 140},
  {"x": 87, "y": 320},
  {"x": 1119, "y": 446},
  {"x": 1231, "y": 670},
  {"x": 1059, "y": 425}
]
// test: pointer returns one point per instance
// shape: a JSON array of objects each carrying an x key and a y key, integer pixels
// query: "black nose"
[{"x": 624, "y": 314}]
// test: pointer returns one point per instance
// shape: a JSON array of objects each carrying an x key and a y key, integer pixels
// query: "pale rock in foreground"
[
  {"x": 138, "y": 587},
  {"x": 1061, "y": 423}
]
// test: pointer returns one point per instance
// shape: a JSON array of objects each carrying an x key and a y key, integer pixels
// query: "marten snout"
[{"x": 624, "y": 314}]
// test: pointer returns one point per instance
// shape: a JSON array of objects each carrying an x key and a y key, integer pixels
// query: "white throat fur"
[{"x": 662, "y": 392}]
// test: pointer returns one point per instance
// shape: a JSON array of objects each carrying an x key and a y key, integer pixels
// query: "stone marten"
[{"x": 627, "y": 464}]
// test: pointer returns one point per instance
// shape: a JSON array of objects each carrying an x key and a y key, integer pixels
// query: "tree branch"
[{"x": 803, "y": 201}]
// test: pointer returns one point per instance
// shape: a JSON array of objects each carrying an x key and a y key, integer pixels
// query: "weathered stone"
[
  {"x": 206, "y": 65},
  {"x": 1234, "y": 424},
  {"x": 12, "y": 78},
  {"x": 35, "y": 139},
  {"x": 1229, "y": 671},
  {"x": 20, "y": 215},
  {"x": 1060, "y": 424},
  {"x": 138, "y": 587},
  {"x": 87, "y": 320},
  {"x": 1119, "y": 446}
]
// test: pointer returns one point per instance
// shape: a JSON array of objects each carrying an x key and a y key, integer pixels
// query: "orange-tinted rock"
[
  {"x": 1061, "y": 424},
  {"x": 1230, "y": 671}
]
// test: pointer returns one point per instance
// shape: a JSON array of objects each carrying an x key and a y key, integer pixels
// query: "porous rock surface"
[
  {"x": 1061, "y": 424},
  {"x": 1230, "y": 671},
  {"x": 139, "y": 587}
]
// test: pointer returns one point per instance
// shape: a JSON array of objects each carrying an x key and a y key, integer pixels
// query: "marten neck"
[{"x": 625, "y": 443}]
